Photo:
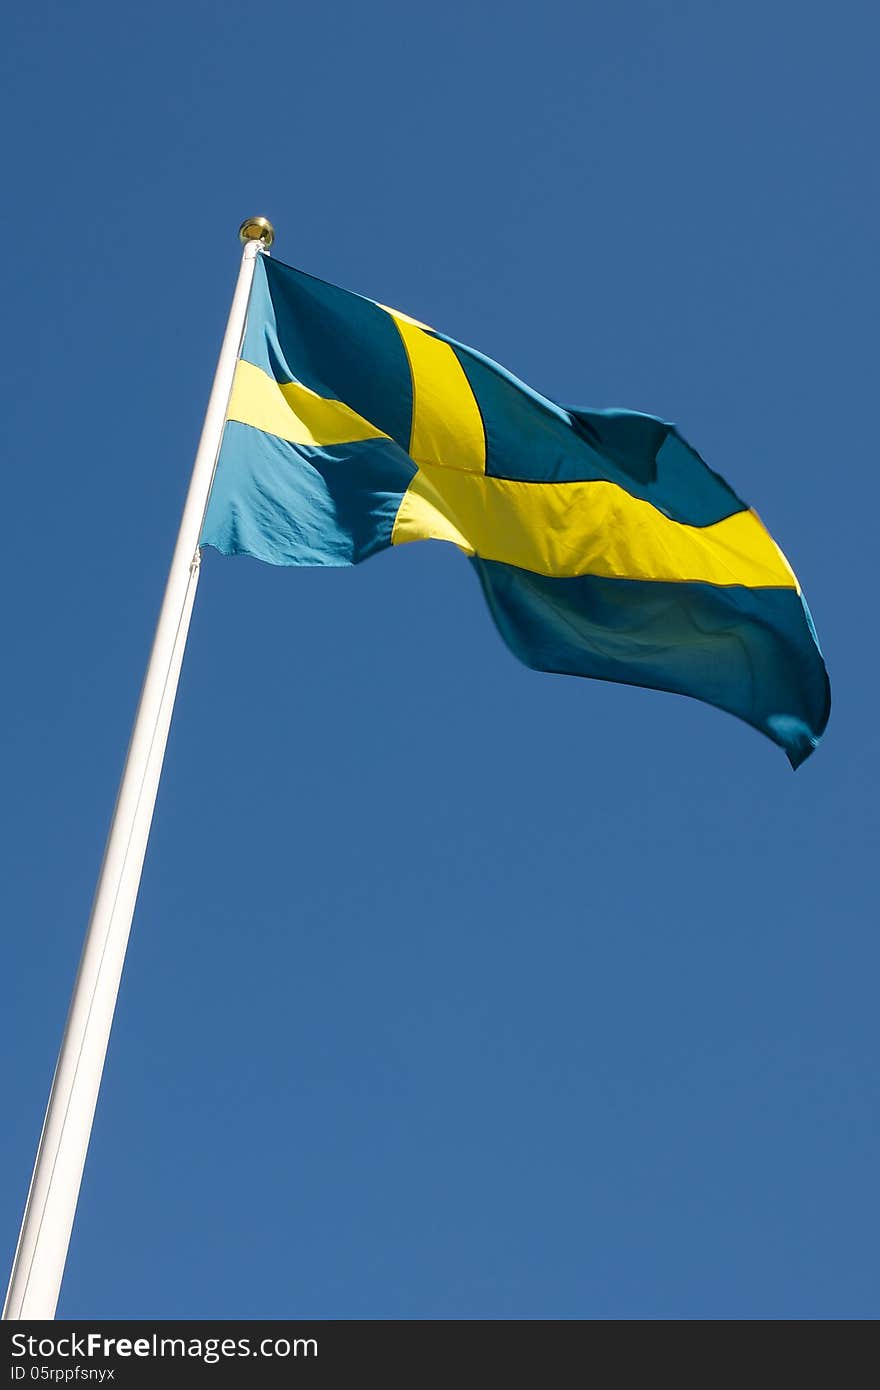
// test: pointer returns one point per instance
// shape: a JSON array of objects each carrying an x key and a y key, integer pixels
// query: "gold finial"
[{"x": 257, "y": 229}]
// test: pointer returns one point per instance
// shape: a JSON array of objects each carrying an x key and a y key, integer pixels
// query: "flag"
[{"x": 603, "y": 543}]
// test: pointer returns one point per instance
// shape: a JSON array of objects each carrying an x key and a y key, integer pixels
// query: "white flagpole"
[{"x": 41, "y": 1253}]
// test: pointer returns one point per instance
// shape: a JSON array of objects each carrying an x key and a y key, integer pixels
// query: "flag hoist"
[{"x": 40, "y": 1256}]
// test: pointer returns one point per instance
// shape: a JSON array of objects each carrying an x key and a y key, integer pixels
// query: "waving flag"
[{"x": 604, "y": 544}]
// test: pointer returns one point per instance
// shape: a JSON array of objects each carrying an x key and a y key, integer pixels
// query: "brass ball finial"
[{"x": 257, "y": 229}]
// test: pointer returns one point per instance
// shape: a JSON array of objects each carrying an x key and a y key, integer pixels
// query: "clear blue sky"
[{"x": 454, "y": 990}]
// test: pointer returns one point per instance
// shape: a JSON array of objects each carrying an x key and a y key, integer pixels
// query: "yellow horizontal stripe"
[
  {"x": 447, "y": 428},
  {"x": 567, "y": 529},
  {"x": 292, "y": 411}
]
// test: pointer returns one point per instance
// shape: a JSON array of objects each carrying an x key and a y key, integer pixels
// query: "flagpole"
[{"x": 41, "y": 1253}]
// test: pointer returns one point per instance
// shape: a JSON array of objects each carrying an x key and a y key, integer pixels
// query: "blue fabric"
[
  {"x": 751, "y": 652},
  {"x": 338, "y": 344},
  {"x": 291, "y": 505},
  {"x": 532, "y": 439}
]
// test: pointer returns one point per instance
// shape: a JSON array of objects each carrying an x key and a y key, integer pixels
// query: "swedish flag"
[{"x": 604, "y": 545}]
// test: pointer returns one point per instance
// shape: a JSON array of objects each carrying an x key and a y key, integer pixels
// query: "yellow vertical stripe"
[{"x": 447, "y": 428}]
